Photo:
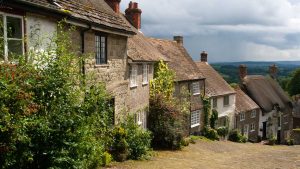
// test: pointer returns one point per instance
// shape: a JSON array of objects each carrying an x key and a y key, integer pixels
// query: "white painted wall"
[
  {"x": 226, "y": 110},
  {"x": 39, "y": 30},
  {"x": 271, "y": 130}
]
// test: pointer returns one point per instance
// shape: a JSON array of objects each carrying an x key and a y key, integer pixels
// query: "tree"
[{"x": 294, "y": 83}]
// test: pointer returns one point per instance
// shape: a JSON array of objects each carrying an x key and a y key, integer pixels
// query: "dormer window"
[
  {"x": 101, "y": 49},
  {"x": 11, "y": 36}
]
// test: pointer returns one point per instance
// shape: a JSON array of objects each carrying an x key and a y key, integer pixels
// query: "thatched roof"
[
  {"x": 243, "y": 102},
  {"x": 96, "y": 12},
  {"x": 215, "y": 85},
  {"x": 266, "y": 92},
  {"x": 179, "y": 59}
]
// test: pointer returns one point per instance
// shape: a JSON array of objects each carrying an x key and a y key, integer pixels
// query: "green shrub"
[
  {"x": 210, "y": 133},
  {"x": 106, "y": 159},
  {"x": 138, "y": 139},
  {"x": 222, "y": 131},
  {"x": 236, "y": 136},
  {"x": 49, "y": 120},
  {"x": 186, "y": 141},
  {"x": 213, "y": 118},
  {"x": 120, "y": 147},
  {"x": 272, "y": 140}
]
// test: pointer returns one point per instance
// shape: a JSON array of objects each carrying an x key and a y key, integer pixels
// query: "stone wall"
[
  {"x": 252, "y": 135},
  {"x": 296, "y": 136}
]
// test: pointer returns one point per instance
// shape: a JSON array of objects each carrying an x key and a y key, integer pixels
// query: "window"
[
  {"x": 101, "y": 52},
  {"x": 242, "y": 116},
  {"x": 11, "y": 36},
  {"x": 196, "y": 88},
  {"x": 215, "y": 102},
  {"x": 226, "y": 101},
  {"x": 141, "y": 119},
  {"x": 133, "y": 75},
  {"x": 253, "y": 113},
  {"x": 252, "y": 127},
  {"x": 145, "y": 73},
  {"x": 195, "y": 118}
]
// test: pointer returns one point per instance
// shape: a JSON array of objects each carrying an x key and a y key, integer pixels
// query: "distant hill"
[{"x": 230, "y": 72}]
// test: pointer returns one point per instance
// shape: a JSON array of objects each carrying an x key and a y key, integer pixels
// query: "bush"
[
  {"x": 236, "y": 136},
  {"x": 272, "y": 140},
  {"x": 106, "y": 159},
  {"x": 186, "y": 141},
  {"x": 49, "y": 120},
  {"x": 222, "y": 131},
  {"x": 289, "y": 142},
  {"x": 138, "y": 139},
  {"x": 166, "y": 123},
  {"x": 210, "y": 133}
]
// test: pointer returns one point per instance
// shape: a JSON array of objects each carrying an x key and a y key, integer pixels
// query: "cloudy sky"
[{"x": 230, "y": 30}]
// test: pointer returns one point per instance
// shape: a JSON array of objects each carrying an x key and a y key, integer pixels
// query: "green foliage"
[
  {"x": 120, "y": 147},
  {"x": 138, "y": 139},
  {"x": 210, "y": 133},
  {"x": 213, "y": 118},
  {"x": 272, "y": 140},
  {"x": 236, "y": 136},
  {"x": 289, "y": 142},
  {"x": 296, "y": 130},
  {"x": 163, "y": 82},
  {"x": 166, "y": 118},
  {"x": 186, "y": 141},
  {"x": 222, "y": 131},
  {"x": 49, "y": 120},
  {"x": 206, "y": 109},
  {"x": 294, "y": 83},
  {"x": 106, "y": 159}
]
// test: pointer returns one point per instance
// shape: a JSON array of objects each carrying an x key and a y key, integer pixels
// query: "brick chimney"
[
  {"x": 178, "y": 39},
  {"x": 114, "y": 4},
  {"x": 242, "y": 71},
  {"x": 203, "y": 56},
  {"x": 273, "y": 70},
  {"x": 133, "y": 14}
]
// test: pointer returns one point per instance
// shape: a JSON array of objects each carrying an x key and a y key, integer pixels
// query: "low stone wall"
[{"x": 296, "y": 136}]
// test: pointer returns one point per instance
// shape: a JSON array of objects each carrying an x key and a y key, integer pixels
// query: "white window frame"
[
  {"x": 195, "y": 118},
  {"x": 252, "y": 127},
  {"x": 242, "y": 116},
  {"x": 215, "y": 100},
  {"x": 196, "y": 88},
  {"x": 253, "y": 114},
  {"x": 133, "y": 75},
  {"x": 141, "y": 119},
  {"x": 5, "y": 33},
  {"x": 145, "y": 74},
  {"x": 226, "y": 105}
]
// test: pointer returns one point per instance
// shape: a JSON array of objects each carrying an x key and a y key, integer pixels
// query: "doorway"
[{"x": 264, "y": 135}]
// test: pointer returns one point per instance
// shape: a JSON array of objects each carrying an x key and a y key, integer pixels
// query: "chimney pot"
[
  {"x": 203, "y": 56},
  {"x": 243, "y": 72},
  {"x": 273, "y": 70},
  {"x": 133, "y": 14},
  {"x": 114, "y": 4},
  {"x": 179, "y": 39}
]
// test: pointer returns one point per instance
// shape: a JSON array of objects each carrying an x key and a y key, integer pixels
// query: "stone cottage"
[
  {"x": 142, "y": 56},
  {"x": 247, "y": 114},
  {"x": 187, "y": 78},
  {"x": 101, "y": 33},
  {"x": 276, "y": 118},
  {"x": 221, "y": 94}
]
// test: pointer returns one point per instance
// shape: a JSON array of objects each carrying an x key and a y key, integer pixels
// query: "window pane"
[
  {"x": 15, "y": 47},
  {"x": 14, "y": 27}
]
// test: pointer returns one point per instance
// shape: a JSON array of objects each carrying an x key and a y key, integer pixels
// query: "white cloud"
[{"x": 266, "y": 25}]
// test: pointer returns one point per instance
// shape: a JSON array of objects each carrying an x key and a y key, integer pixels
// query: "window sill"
[
  {"x": 195, "y": 125},
  {"x": 102, "y": 66},
  {"x": 196, "y": 94},
  {"x": 226, "y": 105},
  {"x": 252, "y": 130},
  {"x": 146, "y": 83},
  {"x": 242, "y": 120},
  {"x": 133, "y": 86}
]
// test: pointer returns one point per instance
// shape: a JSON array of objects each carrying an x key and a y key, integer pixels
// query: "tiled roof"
[
  {"x": 243, "y": 102},
  {"x": 179, "y": 59},
  {"x": 140, "y": 48},
  {"x": 215, "y": 85},
  {"x": 93, "y": 11},
  {"x": 266, "y": 92}
]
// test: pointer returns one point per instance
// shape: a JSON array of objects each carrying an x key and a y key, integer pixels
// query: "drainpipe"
[{"x": 82, "y": 46}]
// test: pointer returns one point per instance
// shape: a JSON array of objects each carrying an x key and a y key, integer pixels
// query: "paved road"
[{"x": 222, "y": 155}]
